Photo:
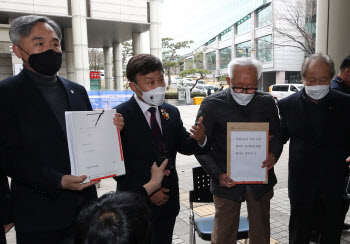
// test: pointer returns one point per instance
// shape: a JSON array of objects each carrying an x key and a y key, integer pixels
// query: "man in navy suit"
[
  {"x": 153, "y": 131},
  {"x": 6, "y": 216},
  {"x": 33, "y": 143},
  {"x": 316, "y": 120}
]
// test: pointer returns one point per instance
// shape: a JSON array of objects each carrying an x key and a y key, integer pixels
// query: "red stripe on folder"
[
  {"x": 249, "y": 182},
  {"x": 101, "y": 178},
  {"x": 120, "y": 145}
]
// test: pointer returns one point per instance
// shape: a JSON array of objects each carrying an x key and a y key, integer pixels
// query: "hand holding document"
[
  {"x": 95, "y": 148},
  {"x": 247, "y": 149}
]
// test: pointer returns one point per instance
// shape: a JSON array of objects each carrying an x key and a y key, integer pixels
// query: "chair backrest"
[{"x": 201, "y": 186}]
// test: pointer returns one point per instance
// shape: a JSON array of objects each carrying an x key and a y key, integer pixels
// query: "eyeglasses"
[{"x": 249, "y": 90}]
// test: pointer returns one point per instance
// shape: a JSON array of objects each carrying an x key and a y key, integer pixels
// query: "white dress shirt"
[{"x": 144, "y": 107}]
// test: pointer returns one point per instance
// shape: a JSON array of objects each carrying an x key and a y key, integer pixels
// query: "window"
[
  {"x": 244, "y": 25},
  {"x": 293, "y": 89},
  {"x": 264, "y": 48},
  {"x": 225, "y": 57},
  {"x": 243, "y": 49},
  {"x": 210, "y": 41},
  {"x": 280, "y": 88},
  {"x": 226, "y": 34},
  {"x": 264, "y": 16},
  {"x": 211, "y": 60}
]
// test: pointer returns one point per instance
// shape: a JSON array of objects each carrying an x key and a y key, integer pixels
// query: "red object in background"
[{"x": 95, "y": 75}]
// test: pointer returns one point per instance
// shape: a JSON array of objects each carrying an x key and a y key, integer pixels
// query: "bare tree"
[
  {"x": 295, "y": 22},
  {"x": 95, "y": 59}
]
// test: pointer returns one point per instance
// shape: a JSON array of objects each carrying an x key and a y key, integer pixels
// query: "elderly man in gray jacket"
[{"x": 241, "y": 102}]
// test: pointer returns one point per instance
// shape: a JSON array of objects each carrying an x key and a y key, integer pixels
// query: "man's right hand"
[
  {"x": 226, "y": 181},
  {"x": 71, "y": 182},
  {"x": 159, "y": 197}
]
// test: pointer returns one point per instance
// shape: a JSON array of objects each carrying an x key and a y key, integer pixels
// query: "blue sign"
[{"x": 108, "y": 99}]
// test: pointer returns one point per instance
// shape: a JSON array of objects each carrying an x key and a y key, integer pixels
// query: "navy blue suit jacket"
[
  {"x": 6, "y": 215},
  {"x": 138, "y": 153},
  {"x": 34, "y": 153},
  {"x": 317, "y": 166}
]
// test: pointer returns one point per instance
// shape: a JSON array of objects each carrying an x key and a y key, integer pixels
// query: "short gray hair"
[
  {"x": 244, "y": 62},
  {"x": 318, "y": 57},
  {"x": 22, "y": 27}
]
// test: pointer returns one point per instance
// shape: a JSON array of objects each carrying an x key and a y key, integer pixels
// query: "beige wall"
[
  {"x": 5, "y": 66},
  {"x": 120, "y": 10},
  {"x": 44, "y": 7}
]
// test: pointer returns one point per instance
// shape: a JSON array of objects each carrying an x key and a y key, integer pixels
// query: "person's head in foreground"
[
  {"x": 317, "y": 72},
  {"x": 115, "y": 218},
  {"x": 37, "y": 41},
  {"x": 146, "y": 76},
  {"x": 244, "y": 76}
]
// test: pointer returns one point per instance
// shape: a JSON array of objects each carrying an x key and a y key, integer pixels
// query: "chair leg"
[
  {"x": 192, "y": 232},
  {"x": 246, "y": 241}
]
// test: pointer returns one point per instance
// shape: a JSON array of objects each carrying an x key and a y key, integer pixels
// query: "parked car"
[
  {"x": 280, "y": 91},
  {"x": 177, "y": 80}
]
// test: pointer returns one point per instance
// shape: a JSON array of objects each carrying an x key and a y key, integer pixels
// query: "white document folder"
[
  {"x": 94, "y": 144},
  {"x": 247, "y": 148}
]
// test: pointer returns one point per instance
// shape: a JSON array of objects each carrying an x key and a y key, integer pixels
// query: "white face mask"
[
  {"x": 317, "y": 92},
  {"x": 153, "y": 97},
  {"x": 241, "y": 98}
]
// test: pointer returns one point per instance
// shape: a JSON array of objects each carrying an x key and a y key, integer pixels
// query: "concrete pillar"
[
  {"x": 68, "y": 41},
  {"x": 332, "y": 30},
  {"x": 80, "y": 43},
  {"x": 280, "y": 77},
  {"x": 205, "y": 61},
  {"x": 155, "y": 28},
  {"x": 118, "y": 66},
  {"x": 136, "y": 43},
  {"x": 108, "y": 68},
  {"x": 233, "y": 47},
  {"x": 253, "y": 43},
  {"x": 217, "y": 54}
]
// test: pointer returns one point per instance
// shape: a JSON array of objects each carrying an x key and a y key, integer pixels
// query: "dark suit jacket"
[
  {"x": 34, "y": 153},
  {"x": 6, "y": 208},
  {"x": 316, "y": 156},
  {"x": 338, "y": 84},
  {"x": 138, "y": 153},
  {"x": 219, "y": 109}
]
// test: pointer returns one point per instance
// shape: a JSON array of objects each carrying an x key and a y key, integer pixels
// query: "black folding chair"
[{"x": 201, "y": 194}]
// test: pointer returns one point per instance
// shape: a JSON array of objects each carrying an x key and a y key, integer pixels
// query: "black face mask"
[{"x": 45, "y": 63}]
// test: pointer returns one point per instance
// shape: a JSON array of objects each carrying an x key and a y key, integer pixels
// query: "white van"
[{"x": 280, "y": 91}]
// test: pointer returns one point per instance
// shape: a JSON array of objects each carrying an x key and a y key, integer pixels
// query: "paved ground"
[{"x": 279, "y": 204}]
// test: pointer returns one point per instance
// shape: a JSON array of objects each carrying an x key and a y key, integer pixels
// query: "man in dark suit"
[
  {"x": 239, "y": 103},
  {"x": 6, "y": 214},
  {"x": 342, "y": 83},
  {"x": 316, "y": 120},
  {"x": 33, "y": 143},
  {"x": 153, "y": 131}
]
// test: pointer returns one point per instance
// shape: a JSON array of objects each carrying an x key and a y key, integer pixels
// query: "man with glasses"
[{"x": 240, "y": 103}]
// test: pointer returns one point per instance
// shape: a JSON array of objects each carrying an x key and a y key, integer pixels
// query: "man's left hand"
[
  {"x": 198, "y": 131},
  {"x": 8, "y": 227},
  {"x": 118, "y": 121},
  {"x": 269, "y": 162}
]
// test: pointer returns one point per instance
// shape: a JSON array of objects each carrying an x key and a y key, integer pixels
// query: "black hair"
[
  {"x": 142, "y": 64},
  {"x": 121, "y": 218},
  {"x": 345, "y": 64}
]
